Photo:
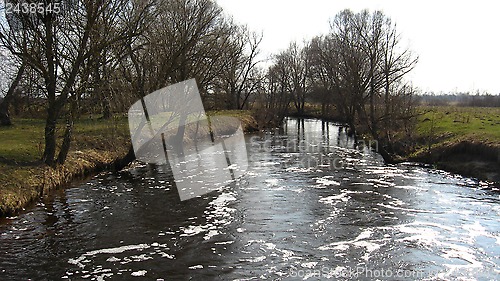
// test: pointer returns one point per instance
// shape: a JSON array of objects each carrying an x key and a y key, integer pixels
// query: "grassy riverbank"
[
  {"x": 464, "y": 140},
  {"x": 96, "y": 145}
]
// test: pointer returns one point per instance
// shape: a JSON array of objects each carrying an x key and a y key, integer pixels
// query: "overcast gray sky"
[{"x": 457, "y": 41}]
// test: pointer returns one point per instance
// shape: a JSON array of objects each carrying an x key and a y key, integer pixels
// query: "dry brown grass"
[{"x": 97, "y": 145}]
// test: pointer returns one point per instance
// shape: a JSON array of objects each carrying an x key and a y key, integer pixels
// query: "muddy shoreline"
[{"x": 466, "y": 157}]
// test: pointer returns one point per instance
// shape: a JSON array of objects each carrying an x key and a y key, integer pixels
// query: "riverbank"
[
  {"x": 461, "y": 140},
  {"x": 97, "y": 145}
]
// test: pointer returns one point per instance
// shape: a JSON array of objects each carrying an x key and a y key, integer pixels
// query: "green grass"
[
  {"x": 24, "y": 142},
  {"x": 463, "y": 140},
  {"x": 23, "y": 177},
  {"x": 245, "y": 116},
  {"x": 95, "y": 142},
  {"x": 460, "y": 123}
]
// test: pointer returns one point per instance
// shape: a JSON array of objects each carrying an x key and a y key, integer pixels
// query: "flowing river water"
[{"x": 310, "y": 207}]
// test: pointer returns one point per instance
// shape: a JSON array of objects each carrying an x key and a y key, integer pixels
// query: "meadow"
[{"x": 460, "y": 123}]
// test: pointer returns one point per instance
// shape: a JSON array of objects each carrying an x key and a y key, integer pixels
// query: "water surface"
[{"x": 310, "y": 207}]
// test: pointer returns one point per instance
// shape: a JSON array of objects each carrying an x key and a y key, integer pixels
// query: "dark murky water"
[{"x": 310, "y": 207}]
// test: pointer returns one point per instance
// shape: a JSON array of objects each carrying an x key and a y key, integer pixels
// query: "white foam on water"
[
  {"x": 411, "y": 187},
  {"x": 340, "y": 247},
  {"x": 287, "y": 254},
  {"x": 475, "y": 230},
  {"x": 359, "y": 242},
  {"x": 311, "y": 264},
  {"x": 82, "y": 259},
  {"x": 139, "y": 258},
  {"x": 326, "y": 181},
  {"x": 332, "y": 200},
  {"x": 113, "y": 259},
  {"x": 250, "y": 242},
  {"x": 118, "y": 250},
  {"x": 298, "y": 170},
  {"x": 269, "y": 163},
  {"x": 219, "y": 215},
  {"x": 369, "y": 246},
  {"x": 270, "y": 246},
  {"x": 430, "y": 238},
  {"x": 139, "y": 273},
  {"x": 352, "y": 191},
  {"x": 224, "y": 243},
  {"x": 192, "y": 230},
  {"x": 452, "y": 251},
  {"x": 256, "y": 259},
  {"x": 395, "y": 201},
  {"x": 103, "y": 277},
  {"x": 421, "y": 235},
  {"x": 364, "y": 235},
  {"x": 437, "y": 225},
  {"x": 210, "y": 234},
  {"x": 165, "y": 255},
  {"x": 272, "y": 182},
  {"x": 462, "y": 253},
  {"x": 381, "y": 182}
]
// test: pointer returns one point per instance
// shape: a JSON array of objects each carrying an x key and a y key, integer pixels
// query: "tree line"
[
  {"x": 100, "y": 56},
  {"x": 460, "y": 99},
  {"x": 357, "y": 69},
  {"x": 112, "y": 52}
]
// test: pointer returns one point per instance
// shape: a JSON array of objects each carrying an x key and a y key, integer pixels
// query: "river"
[{"x": 310, "y": 207}]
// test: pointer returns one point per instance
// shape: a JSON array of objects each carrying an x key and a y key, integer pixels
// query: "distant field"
[{"x": 472, "y": 123}]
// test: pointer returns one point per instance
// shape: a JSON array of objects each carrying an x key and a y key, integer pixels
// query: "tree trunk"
[
  {"x": 50, "y": 136},
  {"x": 179, "y": 137},
  {"x": 106, "y": 109},
  {"x": 4, "y": 105},
  {"x": 123, "y": 162},
  {"x": 4, "y": 113},
  {"x": 50, "y": 83},
  {"x": 61, "y": 158}
]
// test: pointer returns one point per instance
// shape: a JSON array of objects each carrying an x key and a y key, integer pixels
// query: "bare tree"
[
  {"x": 177, "y": 40},
  {"x": 298, "y": 66},
  {"x": 359, "y": 67},
  {"x": 276, "y": 94},
  {"x": 376, "y": 64},
  {"x": 241, "y": 77},
  {"x": 57, "y": 46}
]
